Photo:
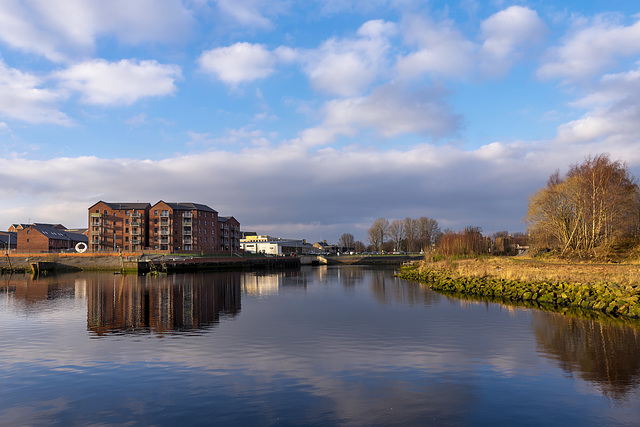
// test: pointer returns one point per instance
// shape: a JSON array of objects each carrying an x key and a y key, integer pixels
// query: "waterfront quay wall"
[
  {"x": 609, "y": 298},
  {"x": 135, "y": 262},
  {"x": 372, "y": 260}
]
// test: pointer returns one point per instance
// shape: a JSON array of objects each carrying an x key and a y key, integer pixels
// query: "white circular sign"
[{"x": 81, "y": 247}]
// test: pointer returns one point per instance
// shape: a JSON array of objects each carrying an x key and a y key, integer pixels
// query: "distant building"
[
  {"x": 276, "y": 246},
  {"x": 47, "y": 238},
  {"x": 165, "y": 226}
]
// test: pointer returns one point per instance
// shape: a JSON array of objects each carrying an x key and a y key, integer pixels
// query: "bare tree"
[
  {"x": 377, "y": 232},
  {"x": 427, "y": 232},
  {"x": 396, "y": 233},
  {"x": 346, "y": 241},
  {"x": 358, "y": 246},
  {"x": 410, "y": 234},
  {"x": 593, "y": 204}
]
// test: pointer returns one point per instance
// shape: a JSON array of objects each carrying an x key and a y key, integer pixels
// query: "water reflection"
[
  {"x": 160, "y": 304},
  {"x": 601, "y": 353}
]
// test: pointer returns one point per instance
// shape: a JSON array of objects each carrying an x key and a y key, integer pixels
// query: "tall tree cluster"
[
  {"x": 411, "y": 235},
  {"x": 596, "y": 202}
]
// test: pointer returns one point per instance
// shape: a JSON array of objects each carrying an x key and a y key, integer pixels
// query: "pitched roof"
[
  {"x": 188, "y": 206},
  {"x": 123, "y": 205},
  {"x": 51, "y": 232}
]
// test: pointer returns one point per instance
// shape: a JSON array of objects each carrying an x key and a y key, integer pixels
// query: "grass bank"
[{"x": 612, "y": 289}]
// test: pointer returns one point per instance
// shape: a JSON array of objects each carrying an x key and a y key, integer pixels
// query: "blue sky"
[{"x": 310, "y": 119}]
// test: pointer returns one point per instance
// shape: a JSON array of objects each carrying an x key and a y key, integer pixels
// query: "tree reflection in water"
[{"x": 596, "y": 350}]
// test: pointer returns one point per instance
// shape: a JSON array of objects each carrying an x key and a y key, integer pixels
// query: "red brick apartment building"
[
  {"x": 183, "y": 227},
  {"x": 229, "y": 235},
  {"x": 186, "y": 227},
  {"x": 118, "y": 226}
]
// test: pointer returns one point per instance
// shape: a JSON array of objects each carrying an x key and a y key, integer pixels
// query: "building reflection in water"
[
  {"x": 160, "y": 304},
  {"x": 596, "y": 350},
  {"x": 28, "y": 293},
  {"x": 263, "y": 284}
]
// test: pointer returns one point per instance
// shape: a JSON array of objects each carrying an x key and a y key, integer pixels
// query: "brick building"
[
  {"x": 46, "y": 238},
  {"x": 229, "y": 234},
  {"x": 118, "y": 226},
  {"x": 165, "y": 226},
  {"x": 189, "y": 227}
]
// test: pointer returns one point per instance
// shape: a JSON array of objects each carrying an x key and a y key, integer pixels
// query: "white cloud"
[
  {"x": 119, "y": 83},
  {"x": 591, "y": 49},
  {"x": 487, "y": 187},
  {"x": 441, "y": 49},
  {"x": 239, "y": 63},
  {"x": 506, "y": 34},
  {"x": 349, "y": 66},
  {"x": 252, "y": 13},
  {"x": 23, "y": 98},
  {"x": 613, "y": 113},
  {"x": 390, "y": 110},
  {"x": 65, "y": 29}
]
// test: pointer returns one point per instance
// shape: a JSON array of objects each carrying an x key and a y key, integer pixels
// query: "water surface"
[{"x": 318, "y": 346}]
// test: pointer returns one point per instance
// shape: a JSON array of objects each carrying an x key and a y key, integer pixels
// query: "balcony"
[
  {"x": 136, "y": 241},
  {"x": 187, "y": 241},
  {"x": 96, "y": 215},
  {"x": 186, "y": 231},
  {"x": 187, "y": 221},
  {"x": 164, "y": 240},
  {"x": 164, "y": 214},
  {"x": 164, "y": 231},
  {"x": 136, "y": 215},
  {"x": 136, "y": 223},
  {"x": 164, "y": 220},
  {"x": 187, "y": 215},
  {"x": 135, "y": 231}
]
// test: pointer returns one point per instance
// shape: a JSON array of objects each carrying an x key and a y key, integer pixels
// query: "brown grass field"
[{"x": 551, "y": 270}]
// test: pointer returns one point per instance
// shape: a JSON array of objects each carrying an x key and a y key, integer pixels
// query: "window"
[
  {"x": 126, "y": 230},
  {"x": 126, "y": 239},
  {"x": 126, "y": 221},
  {"x": 155, "y": 213},
  {"x": 27, "y": 240},
  {"x": 105, "y": 211},
  {"x": 126, "y": 212},
  {"x": 205, "y": 222},
  {"x": 155, "y": 221},
  {"x": 155, "y": 230},
  {"x": 155, "y": 239}
]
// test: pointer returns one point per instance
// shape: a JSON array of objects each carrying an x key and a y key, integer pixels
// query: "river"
[{"x": 317, "y": 346}]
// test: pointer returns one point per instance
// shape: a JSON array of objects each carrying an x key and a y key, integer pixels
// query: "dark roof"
[
  {"x": 54, "y": 233},
  {"x": 188, "y": 206},
  {"x": 124, "y": 205}
]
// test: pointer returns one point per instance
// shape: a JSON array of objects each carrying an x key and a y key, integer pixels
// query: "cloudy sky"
[{"x": 309, "y": 119}]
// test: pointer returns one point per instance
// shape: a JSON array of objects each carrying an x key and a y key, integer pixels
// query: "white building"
[{"x": 276, "y": 247}]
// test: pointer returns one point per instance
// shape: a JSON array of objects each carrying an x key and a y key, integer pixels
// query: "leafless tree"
[
  {"x": 396, "y": 233},
  {"x": 377, "y": 232},
  {"x": 410, "y": 234},
  {"x": 593, "y": 204},
  {"x": 346, "y": 241}
]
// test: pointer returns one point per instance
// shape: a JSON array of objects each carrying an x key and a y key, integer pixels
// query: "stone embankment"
[
  {"x": 609, "y": 298},
  {"x": 135, "y": 262}
]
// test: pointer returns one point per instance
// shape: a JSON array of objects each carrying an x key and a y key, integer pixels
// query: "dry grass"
[{"x": 534, "y": 270}]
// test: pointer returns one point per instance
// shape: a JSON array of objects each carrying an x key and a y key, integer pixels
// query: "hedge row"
[{"x": 609, "y": 298}]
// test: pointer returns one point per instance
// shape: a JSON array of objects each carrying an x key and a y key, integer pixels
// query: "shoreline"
[{"x": 607, "y": 297}]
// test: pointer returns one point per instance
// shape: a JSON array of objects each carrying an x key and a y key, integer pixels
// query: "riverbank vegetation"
[{"x": 607, "y": 288}]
